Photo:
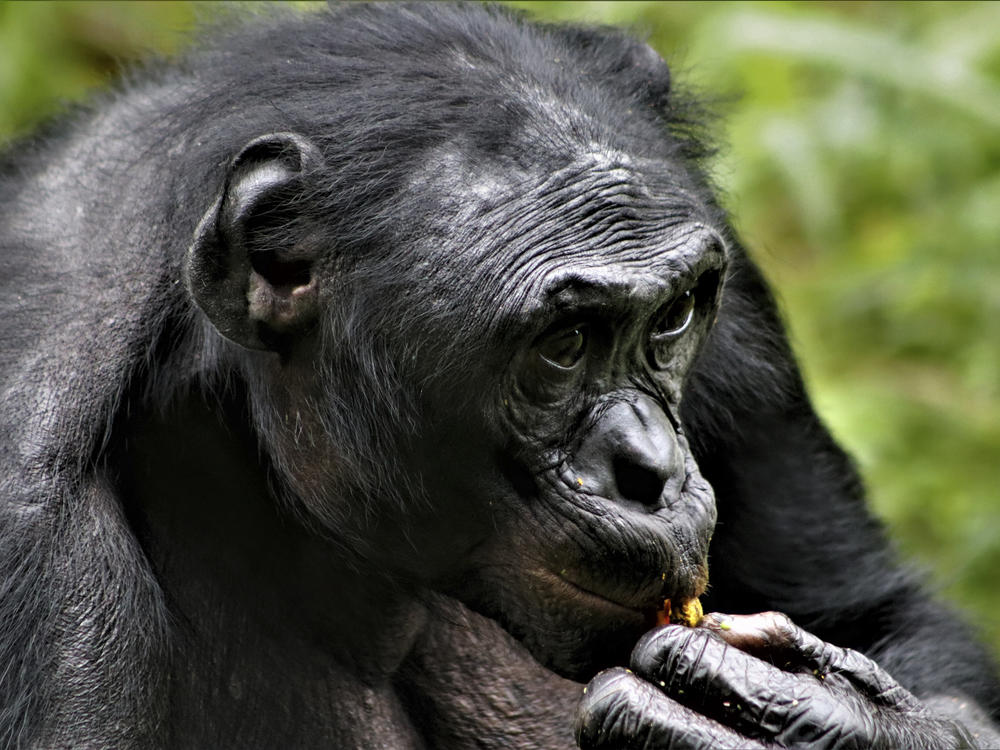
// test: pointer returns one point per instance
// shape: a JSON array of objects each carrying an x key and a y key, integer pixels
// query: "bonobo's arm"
[
  {"x": 795, "y": 535},
  {"x": 469, "y": 684}
]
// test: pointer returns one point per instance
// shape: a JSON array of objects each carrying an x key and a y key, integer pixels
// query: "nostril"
[{"x": 638, "y": 483}]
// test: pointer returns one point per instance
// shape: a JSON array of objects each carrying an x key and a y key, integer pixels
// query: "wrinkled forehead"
[{"x": 517, "y": 233}]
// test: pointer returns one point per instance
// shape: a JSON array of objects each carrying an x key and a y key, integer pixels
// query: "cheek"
[{"x": 309, "y": 464}]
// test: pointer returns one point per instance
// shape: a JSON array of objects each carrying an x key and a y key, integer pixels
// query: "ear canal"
[{"x": 248, "y": 296}]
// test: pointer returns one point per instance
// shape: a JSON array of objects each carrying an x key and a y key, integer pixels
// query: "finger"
[
  {"x": 620, "y": 710},
  {"x": 701, "y": 671},
  {"x": 772, "y": 636}
]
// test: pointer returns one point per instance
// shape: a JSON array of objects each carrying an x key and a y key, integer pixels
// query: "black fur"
[{"x": 176, "y": 570}]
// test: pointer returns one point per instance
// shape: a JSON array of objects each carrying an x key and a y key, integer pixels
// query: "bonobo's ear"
[{"x": 249, "y": 269}]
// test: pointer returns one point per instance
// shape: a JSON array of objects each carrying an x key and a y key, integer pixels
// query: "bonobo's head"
[{"x": 479, "y": 276}]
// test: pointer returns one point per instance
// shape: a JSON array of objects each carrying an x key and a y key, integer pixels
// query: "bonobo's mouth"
[
  {"x": 589, "y": 624},
  {"x": 655, "y": 604}
]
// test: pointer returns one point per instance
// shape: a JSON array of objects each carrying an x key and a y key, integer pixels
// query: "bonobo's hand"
[{"x": 754, "y": 681}]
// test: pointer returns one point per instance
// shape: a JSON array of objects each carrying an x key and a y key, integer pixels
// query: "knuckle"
[
  {"x": 604, "y": 689},
  {"x": 662, "y": 650},
  {"x": 855, "y": 661},
  {"x": 604, "y": 702},
  {"x": 782, "y": 630},
  {"x": 606, "y": 682}
]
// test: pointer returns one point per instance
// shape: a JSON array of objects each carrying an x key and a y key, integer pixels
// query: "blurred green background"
[{"x": 863, "y": 166}]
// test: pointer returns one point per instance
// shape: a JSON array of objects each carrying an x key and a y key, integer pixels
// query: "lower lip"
[{"x": 603, "y": 601}]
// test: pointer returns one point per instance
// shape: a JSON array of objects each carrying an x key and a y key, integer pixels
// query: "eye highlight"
[{"x": 565, "y": 348}]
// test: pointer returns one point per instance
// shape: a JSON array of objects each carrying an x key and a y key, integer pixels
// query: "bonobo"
[{"x": 371, "y": 377}]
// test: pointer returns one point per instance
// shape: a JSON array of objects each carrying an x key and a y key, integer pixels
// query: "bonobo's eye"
[
  {"x": 564, "y": 348},
  {"x": 674, "y": 319},
  {"x": 669, "y": 323}
]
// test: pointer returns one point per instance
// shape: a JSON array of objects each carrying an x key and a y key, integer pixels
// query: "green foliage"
[
  {"x": 864, "y": 168},
  {"x": 53, "y": 52}
]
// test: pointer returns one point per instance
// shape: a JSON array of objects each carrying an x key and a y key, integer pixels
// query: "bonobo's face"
[
  {"x": 566, "y": 486},
  {"x": 492, "y": 409}
]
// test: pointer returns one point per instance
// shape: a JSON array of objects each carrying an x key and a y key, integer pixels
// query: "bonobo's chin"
[
  {"x": 573, "y": 641},
  {"x": 580, "y": 652}
]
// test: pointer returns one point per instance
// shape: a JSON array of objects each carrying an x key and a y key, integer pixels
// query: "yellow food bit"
[
  {"x": 725, "y": 626},
  {"x": 689, "y": 613},
  {"x": 579, "y": 481}
]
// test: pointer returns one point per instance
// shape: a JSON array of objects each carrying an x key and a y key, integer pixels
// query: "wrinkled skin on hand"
[{"x": 754, "y": 681}]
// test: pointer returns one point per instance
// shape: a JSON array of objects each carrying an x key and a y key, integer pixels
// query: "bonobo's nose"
[{"x": 630, "y": 454}]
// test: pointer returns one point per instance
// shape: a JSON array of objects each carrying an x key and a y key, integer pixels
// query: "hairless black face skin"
[{"x": 371, "y": 377}]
